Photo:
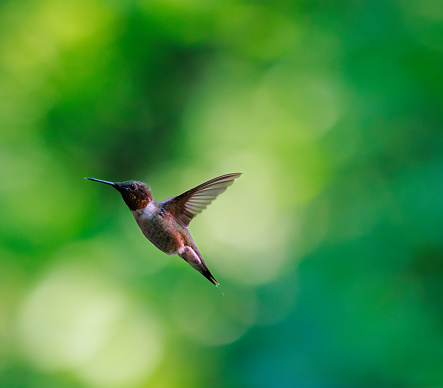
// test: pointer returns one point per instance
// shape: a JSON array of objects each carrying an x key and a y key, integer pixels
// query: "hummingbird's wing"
[{"x": 186, "y": 206}]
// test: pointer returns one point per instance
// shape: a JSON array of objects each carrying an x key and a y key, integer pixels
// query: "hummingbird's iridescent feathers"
[
  {"x": 186, "y": 206},
  {"x": 136, "y": 194}
]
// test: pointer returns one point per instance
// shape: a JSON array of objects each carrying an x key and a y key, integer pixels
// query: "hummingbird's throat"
[{"x": 135, "y": 202}]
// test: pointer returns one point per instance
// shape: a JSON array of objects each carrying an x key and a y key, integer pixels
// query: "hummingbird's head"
[{"x": 135, "y": 194}]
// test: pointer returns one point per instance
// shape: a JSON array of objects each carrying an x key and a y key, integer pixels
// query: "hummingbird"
[{"x": 165, "y": 223}]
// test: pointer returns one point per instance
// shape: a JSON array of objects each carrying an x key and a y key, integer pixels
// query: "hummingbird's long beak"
[{"x": 99, "y": 180}]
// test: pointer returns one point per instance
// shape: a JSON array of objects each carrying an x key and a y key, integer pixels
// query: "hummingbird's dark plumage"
[{"x": 165, "y": 223}]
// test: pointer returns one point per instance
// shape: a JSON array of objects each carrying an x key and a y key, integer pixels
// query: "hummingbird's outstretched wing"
[{"x": 186, "y": 206}]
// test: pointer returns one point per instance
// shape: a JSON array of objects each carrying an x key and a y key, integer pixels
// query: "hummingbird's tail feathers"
[
  {"x": 208, "y": 275},
  {"x": 195, "y": 260}
]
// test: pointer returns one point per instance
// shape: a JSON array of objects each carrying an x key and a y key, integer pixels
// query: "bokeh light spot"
[{"x": 76, "y": 320}]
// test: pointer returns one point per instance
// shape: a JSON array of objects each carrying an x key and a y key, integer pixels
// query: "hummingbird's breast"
[{"x": 161, "y": 228}]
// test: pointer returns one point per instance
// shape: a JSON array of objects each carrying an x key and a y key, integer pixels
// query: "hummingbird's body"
[
  {"x": 161, "y": 228},
  {"x": 165, "y": 223}
]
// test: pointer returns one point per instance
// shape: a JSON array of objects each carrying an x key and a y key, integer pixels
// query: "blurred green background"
[{"x": 328, "y": 249}]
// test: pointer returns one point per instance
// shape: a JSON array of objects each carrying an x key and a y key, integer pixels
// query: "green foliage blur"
[{"x": 329, "y": 248}]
